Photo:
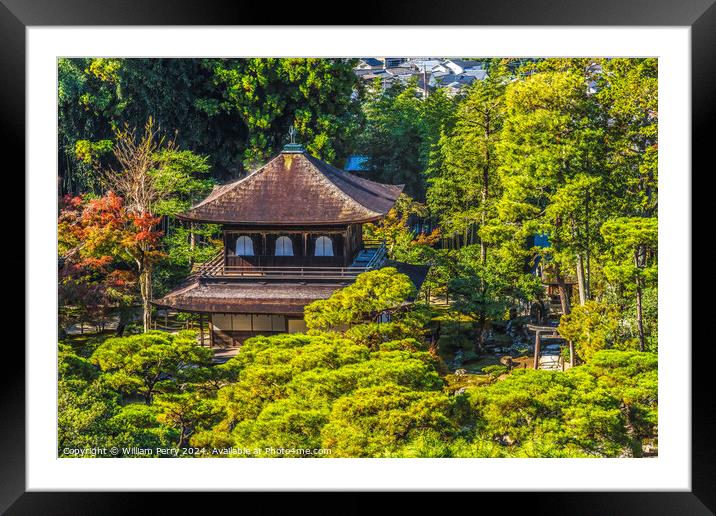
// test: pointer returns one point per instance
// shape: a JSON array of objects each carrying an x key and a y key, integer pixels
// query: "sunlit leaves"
[
  {"x": 604, "y": 408},
  {"x": 151, "y": 362},
  {"x": 373, "y": 292}
]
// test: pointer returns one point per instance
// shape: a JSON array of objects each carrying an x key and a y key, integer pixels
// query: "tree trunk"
[
  {"x": 480, "y": 336},
  {"x": 561, "y": 285},
  {"x": 122, "y": 323},
  {"x": 563, "y": 294},
  {"x": 587, "y": 282},
  {"x": 485, "y": 192},
  {"x": 639, "y": 315},
  {"x": 539, "y": 310},
  {"x": 635, "y": 446},
  {"x": 145, "y": 287},
  {"x": 580, "y": 280},
  {"x": 192, "y": 244},
  {"x": 148, "y": 395},
  {"x": 182, "y": 436}
]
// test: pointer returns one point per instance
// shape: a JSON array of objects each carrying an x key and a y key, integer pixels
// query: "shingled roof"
[
  {"x": 257, "y": 298},
  {"x": 296, "y": 188},
  {"x": 288, "y": 298}
]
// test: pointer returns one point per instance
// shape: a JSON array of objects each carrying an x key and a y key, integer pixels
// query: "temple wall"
[{"x": 232, "y": 329}]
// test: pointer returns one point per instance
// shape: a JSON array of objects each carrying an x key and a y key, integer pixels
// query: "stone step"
[
  {"x": 364, "y": 257},
  {"x": 549, "y": 363}
]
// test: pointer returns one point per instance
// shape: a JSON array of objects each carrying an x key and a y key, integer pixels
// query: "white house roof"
[
  {"x": 461, "y": 65},
  {"x": 476, "y": 73},
  {"x": 428, "y": 64}
]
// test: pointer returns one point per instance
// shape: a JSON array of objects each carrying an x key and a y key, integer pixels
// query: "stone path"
[
  {"x": 78, "y": 329},
  {"x": 221, "y": 355},
  {"x": 549, "y": 358}
]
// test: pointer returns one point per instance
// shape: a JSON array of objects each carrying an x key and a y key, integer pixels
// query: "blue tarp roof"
[
  {"x": 371, "y": 61},
  {"x": 541, "y": 240},
  {"x": 356, "y": 163}
]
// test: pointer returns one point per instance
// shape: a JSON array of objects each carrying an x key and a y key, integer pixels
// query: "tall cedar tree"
[
  {"x": 548, "y": 142},
  {"x": 464, "y": 182}
]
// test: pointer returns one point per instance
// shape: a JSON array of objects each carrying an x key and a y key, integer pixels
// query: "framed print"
[{"x": 245, "y": 242}]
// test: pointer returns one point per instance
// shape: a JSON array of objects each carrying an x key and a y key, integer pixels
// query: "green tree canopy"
[
  {"x": 605, "y": 408},
  {"x": 412, "y": 125},
  {"x": 357, "y": 309},
  {"x": 236, "y": 111},
  {"x": 591, "y": 327},
  {"x": 463, "y": 179},
  {"x": 150, "y": 363},
  {"x": 289, "y": 386}
]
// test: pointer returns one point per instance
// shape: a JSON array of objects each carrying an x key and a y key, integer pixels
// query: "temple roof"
[
  {"x": 286, "y": 298},
  {"x": 296, "y": 188},
  {"x": 245, "y": 297}
]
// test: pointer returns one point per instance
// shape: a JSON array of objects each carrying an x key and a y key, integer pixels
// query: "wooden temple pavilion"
[{"x": 292, "y": 234}]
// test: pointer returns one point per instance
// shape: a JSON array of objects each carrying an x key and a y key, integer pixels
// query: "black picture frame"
[{"x": 17, "y": 15}]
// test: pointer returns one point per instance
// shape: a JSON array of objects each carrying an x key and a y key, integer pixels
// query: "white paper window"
[
  {"x": 241, "y": 322},
  {"x": 261, "y": 322},
  {"x": 278, "y": 323},
  {"x": 296, "y": 325},
  {"x": 284, "y": 246},
  {"x": 324, "y": 246},
  {"x": 244, "y": 246},
  {"x": 221, "y": 321}
]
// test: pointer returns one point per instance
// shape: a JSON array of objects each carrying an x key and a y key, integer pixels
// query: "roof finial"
[{"x": 293, "y": 147}]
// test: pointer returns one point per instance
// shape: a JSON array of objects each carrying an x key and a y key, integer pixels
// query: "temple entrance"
[{"x": 548, "y": 349}]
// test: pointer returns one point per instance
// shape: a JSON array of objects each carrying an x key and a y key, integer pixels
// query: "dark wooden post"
[
  {"x": 211, "y": 332},
  {"x": 537, "y": 346},
  {"x": 352, "y": 241},
  {"x": 264, "y": 250},
  {"x": 201, "y": 328},
  {"x": 346, "y": 236}
]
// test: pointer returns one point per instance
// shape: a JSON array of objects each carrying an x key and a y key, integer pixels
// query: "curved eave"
[
  {"x": 281, "y": 222},
  {"x": 261, "y": 309}
]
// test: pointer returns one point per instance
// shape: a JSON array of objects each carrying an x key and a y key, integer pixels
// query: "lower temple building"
[{"x": 292, "y": 235}]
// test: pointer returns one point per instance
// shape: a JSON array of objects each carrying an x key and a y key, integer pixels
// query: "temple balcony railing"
[{"x": 372, "y": 255}]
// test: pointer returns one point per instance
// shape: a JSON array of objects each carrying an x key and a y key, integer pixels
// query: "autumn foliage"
[
  {"x": 101, "y": 245},
  {"x": 102, "y": 229}
]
